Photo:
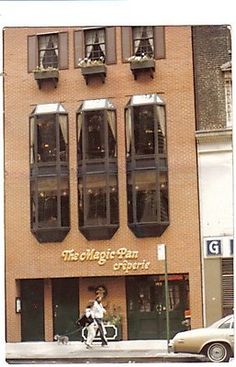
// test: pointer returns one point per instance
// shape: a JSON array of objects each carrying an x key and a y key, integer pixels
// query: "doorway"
[
  {"x": 65, "y": 299},
  {"x": 32, "y": 312},
  {"x": 146, "y": 309}
]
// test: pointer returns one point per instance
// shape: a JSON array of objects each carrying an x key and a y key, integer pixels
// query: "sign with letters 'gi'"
[{"x": 220, "y": 246}]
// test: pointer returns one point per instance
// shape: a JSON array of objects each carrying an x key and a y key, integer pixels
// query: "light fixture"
[{"x": 18, "y": 305}]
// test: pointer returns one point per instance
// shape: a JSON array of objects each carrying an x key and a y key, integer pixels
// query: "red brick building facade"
[{"x": 52, "y": 286}]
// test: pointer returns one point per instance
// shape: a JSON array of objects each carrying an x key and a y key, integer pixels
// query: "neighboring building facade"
[
  {"x": 213, "y": 88},
  {"x": 100, "y": 168}
]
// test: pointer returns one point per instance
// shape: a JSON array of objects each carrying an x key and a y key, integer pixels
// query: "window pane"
[
  {"x": 48, "y": 51},
  {"x": 95, "y": 44},
  {"x": 111, "y": 133},
  {"x": 63, "y": 137},
  {"x": 64, "y": 187},
  {"x": 81, "y": 202},
  {"x": 130, "y": 199},
  {"x": 46, "y": 138},
  {"x": 161, "y": 129},
  {"x": 164, "y": 196},
  {"x": 114, "y": 204},
  {"x": 32, "y": 204},
  {"x": 32, "y": 141},
  {"x": 94, "y": 132},
  {"x": 47, "y": 202},
  {"x": 96, "y": 200},
  {"x": 144, "y": 130},
  {"x": 79, "y": 137},
  {"x": 146, "y": 196},
  {"x": 143, "y": 41}
]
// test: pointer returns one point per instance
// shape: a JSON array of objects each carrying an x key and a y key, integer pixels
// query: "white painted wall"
[{"x": 216, "y": 190}]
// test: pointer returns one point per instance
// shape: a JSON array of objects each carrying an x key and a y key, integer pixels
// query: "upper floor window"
[
  {"x": 227, "y": 72},
  {"x": 49, "y": 173},
  {"x": 96, "y": 130},
  {"x": 95, "y": 46},
  {"x": 49, "y": 50},
  {"x": 143, "y": 41},
  {"x": 145, "y": 126},
  {"x": 49, "y": 134},
  {"x": 97, "y": 169},
  {"x": 147, "y": 172}
]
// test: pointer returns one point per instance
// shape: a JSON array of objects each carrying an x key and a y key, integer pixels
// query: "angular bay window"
[
  {"x": 147, "y": 173},
  {"x": 49, "y": 173},
  {"x": 97, "y": 169}
]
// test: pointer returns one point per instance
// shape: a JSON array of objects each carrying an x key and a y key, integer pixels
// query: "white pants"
[{"x": 92, "y": 328}]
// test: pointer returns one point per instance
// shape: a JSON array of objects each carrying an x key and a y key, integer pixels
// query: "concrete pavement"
[{"x": 76, "y": 352}]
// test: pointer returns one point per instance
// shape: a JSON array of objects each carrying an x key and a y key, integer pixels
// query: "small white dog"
[{"x": 61, "y": 339}]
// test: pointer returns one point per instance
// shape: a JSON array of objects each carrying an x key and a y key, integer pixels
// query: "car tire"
[{"x": 218, "y": 352}]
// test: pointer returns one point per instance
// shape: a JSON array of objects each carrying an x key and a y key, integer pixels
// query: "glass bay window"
[
  {"x": 97, "y": 169},
  {"x": 49, "y": 173},
  {"x": 146, "y": 162}
]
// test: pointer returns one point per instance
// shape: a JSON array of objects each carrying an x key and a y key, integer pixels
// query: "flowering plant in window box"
[
  {"x": 139, "y": 63},
  {"x": 41, "y": 73},
  {"x": 91, "y": 67}
]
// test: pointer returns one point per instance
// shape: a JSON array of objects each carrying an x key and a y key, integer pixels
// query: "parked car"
[{"x": 215, "y": 341}]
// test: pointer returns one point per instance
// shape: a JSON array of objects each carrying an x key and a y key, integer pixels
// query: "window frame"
[
  {"x": 47, "y": 170},
  {"x": 156, "y": 163},
  {"x": 96, "y": 167}
]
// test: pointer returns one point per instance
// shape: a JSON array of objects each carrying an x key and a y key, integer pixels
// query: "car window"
[{"x": 225, "y": 325}]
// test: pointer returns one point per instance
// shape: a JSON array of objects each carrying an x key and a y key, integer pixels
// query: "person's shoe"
[
  {"x": 88, "y": 346},
  {"x": 105, "y": 345}
]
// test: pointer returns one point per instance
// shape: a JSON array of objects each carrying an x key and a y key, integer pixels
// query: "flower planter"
[
  {"x": 142, "y": 66},
  {"x": 95, "y": 70},
  {"x": 52, "y": 75}
]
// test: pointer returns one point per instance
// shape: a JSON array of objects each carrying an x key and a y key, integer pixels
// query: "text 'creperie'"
[{"x": 126, "y": 260}]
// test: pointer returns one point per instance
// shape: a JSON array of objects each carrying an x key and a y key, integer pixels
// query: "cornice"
[{"x": 211, "y": 136}]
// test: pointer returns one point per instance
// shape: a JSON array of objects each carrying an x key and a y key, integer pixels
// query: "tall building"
[
  {"x": 100, "y": 169},
  {"x": 213, "y": 90}
]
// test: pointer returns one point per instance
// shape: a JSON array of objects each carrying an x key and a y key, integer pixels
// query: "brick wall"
[
  {"x": 173, "y": 80},
  {"x": 211, "y": 48}
]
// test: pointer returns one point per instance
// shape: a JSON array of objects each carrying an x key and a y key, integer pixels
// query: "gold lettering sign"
[{"x": 125, "y": 259}]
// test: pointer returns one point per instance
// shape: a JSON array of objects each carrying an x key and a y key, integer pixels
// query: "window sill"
[
  {"x": 103, "y": 232},
  {"x": 52, "y": 234},
  {"x": 142, "y": 230},
  {"x": 52, "y": 75},
  {"x": 143, "y": 66},
  {"x": 94, "y": 71}
]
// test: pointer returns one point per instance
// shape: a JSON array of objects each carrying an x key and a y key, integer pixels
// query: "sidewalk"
[{"x": 76, "y": 352}]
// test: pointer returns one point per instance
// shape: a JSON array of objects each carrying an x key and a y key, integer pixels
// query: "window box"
[
  {"x": 142, "y": 65},
  {"x": 46, "y": 74},
  {"x": 95, "y": 70}
]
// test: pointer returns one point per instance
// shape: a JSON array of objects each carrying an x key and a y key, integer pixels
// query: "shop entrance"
[
  {"x": 32, "y": 311},
  {"x": 146, "y": 309},
  {"x": 65, "y": 298}
]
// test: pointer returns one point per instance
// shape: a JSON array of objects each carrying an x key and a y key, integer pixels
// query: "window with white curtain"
[
  {"x": 143, "y": 41},
  {"x": 48, "y": 50},
  {"x": 95, "y": 44}
]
